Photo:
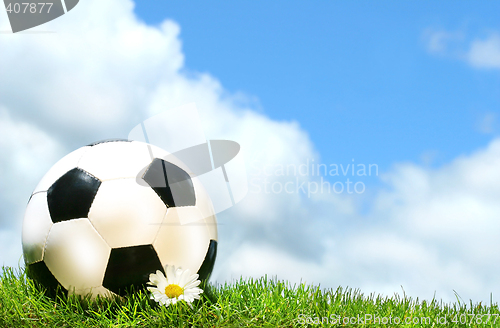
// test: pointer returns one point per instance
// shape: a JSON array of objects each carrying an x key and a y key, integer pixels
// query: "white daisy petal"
[
  {"x": 153, "y": 280},
  {"x": 193, "y": 277},
  {"x": 161, "y": 286},
  {"x": 184, "y": 277},
  {"x": 160, "y": 275},
  {"x": 170, "y": 270},
  {"x": 192, "y": 284},
  {"x": 178, "y": 274},
  {"x": 155, "y": 293},
  {"x": 156, "y": 278}
]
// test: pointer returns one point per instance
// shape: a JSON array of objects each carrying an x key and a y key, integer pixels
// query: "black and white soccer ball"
[{"x": 108, "y": 214}]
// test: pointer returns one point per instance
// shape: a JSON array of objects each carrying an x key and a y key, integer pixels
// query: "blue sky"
[{"x": 356, "y": 75}]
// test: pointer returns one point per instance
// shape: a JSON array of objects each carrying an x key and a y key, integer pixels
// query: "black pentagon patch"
[
  {"x": 171, "y": 183},
  {"x": 108, "y": 140},
  {"x": 208, "y": 264},
  {"x": 39, "y": 272},
  {"x": 129, "y": 268},
  {"x": 71, "y": 196}
]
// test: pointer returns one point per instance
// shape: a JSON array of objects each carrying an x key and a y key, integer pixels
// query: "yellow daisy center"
[{"x": 173, "y": 290}]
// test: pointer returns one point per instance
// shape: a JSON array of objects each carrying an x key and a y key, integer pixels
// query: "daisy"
[{"x": 179, "y": 285}]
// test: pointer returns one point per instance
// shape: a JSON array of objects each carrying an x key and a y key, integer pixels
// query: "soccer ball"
[{"x": 109, "y": 214}]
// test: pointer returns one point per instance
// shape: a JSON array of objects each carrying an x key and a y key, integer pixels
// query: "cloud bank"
[
  {"x": 485, "y": 53},
  {"x": 104, "y": 71}
]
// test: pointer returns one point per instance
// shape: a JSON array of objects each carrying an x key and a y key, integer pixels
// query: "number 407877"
[{"x": 29, "y": 7}]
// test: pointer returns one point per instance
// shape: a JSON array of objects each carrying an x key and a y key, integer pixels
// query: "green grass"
[{"x": 246, "y": 303}]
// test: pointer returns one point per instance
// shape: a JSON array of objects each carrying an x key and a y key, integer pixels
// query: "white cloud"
[
  {"x": 485, "y": 53},
  {"x": 26, "y": 153},
  {"x": 443, "y": 43},
  {"x": 263, "y": 259},
  {"x": 454, "y": 212},
  {"x": 479, "y": 53},
  {"x": 439, "y": 41},
  {"x": 104, "y": 71},
  {"x": 10, "y": 245}
]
